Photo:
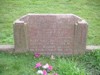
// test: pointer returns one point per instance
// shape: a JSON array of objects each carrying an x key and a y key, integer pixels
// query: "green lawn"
[
  {"x": 23, "y": 64},
  {"x": 10, "y": 10}
]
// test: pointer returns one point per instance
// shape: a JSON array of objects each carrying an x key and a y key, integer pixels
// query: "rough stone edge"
[
  {"x": 10, "y": 48},
  {"x": 20, "y": 30}
]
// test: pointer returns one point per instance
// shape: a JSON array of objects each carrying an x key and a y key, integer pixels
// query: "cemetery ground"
[{"x": 23, "y": 63}]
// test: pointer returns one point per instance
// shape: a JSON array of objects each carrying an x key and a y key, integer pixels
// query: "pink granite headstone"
[{"x": 50, "y": 34}]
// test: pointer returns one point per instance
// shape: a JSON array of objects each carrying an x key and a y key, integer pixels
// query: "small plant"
[{"x": 37, "y": 55}]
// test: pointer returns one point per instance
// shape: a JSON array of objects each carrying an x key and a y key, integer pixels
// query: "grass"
[
  {"x": 23, "y": 64},
  {"x": 10, "y": 10}
]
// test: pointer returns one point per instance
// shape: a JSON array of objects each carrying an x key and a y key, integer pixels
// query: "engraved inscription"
[{"x": 47, "y": 36}]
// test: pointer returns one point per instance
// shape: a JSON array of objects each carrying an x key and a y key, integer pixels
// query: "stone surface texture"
[{"x": 51, "y": 34}]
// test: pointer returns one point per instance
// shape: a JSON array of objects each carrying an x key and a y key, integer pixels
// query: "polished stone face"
[{"x": 54, "y": 33}]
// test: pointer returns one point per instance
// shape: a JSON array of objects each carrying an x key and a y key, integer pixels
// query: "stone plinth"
[{"x": 50, "y": 34}]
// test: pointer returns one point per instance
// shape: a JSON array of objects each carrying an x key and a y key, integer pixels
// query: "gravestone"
[{"x": 57, "y": 34}]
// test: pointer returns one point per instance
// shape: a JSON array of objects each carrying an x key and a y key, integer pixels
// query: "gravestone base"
[{"x": 10, "y": 48}]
